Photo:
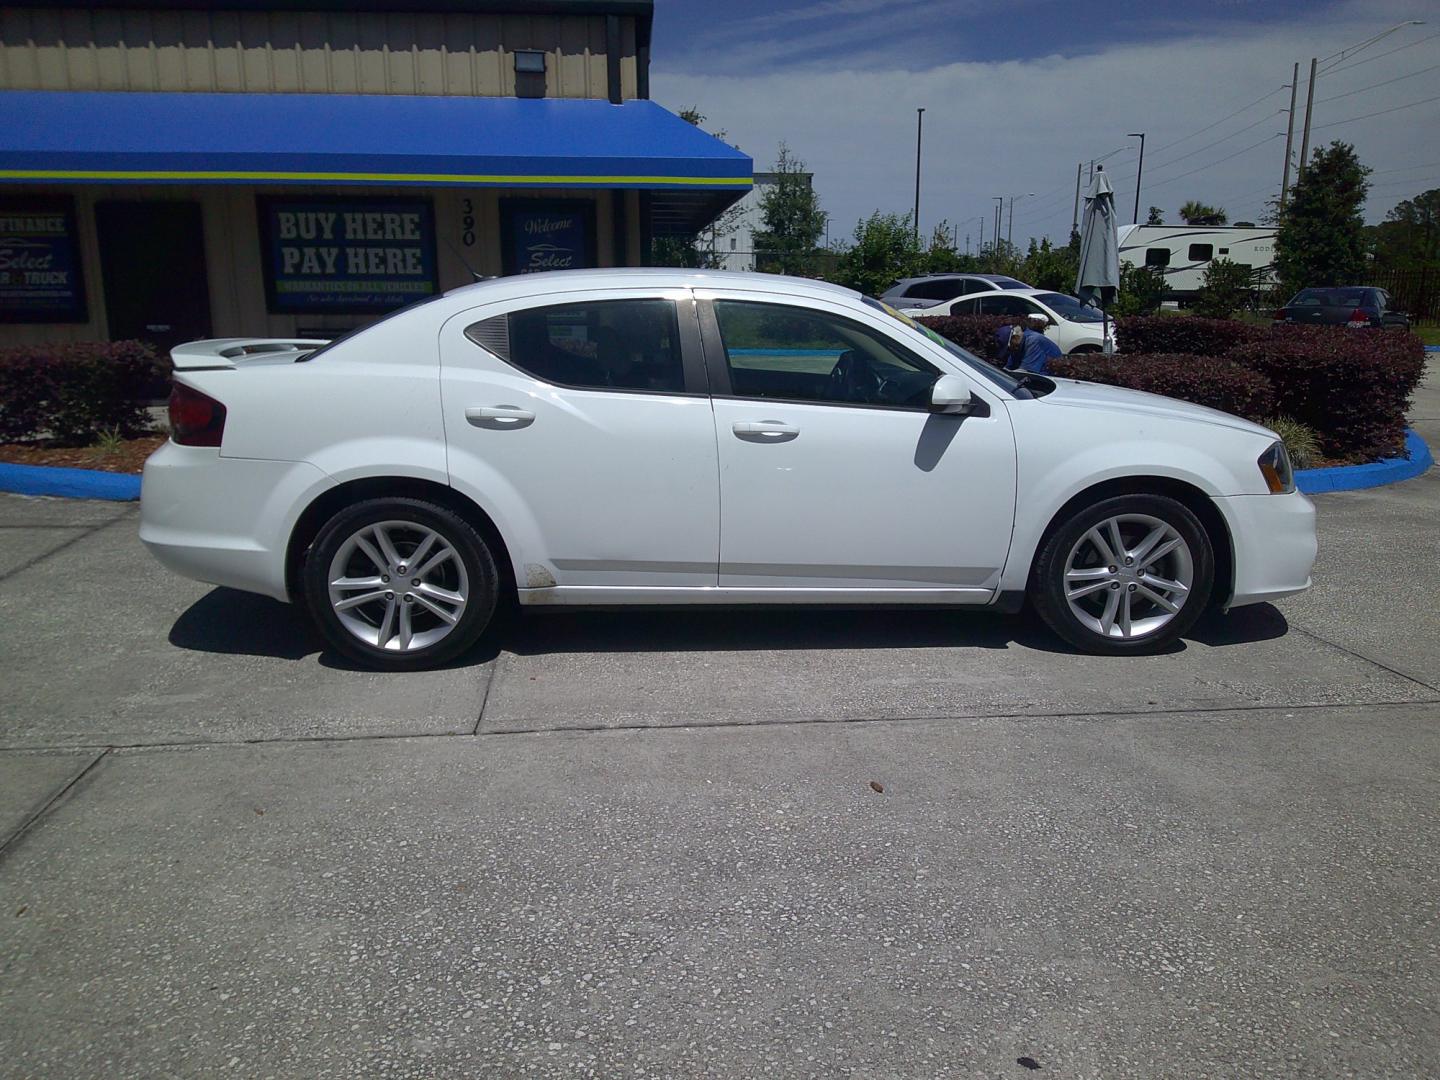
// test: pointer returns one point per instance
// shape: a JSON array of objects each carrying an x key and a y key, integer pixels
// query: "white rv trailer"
[{"x": 1183, "y": 252}]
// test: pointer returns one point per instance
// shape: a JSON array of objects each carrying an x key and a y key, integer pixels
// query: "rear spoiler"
[{"x": 230, "y": 352}]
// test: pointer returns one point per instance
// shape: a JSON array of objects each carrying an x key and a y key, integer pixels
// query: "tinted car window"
[
  {"x": 602, "y": 345},
  {"x": 1001, "y": 304},
  {"x": 965, "y": 307},
  {"x": 796, "y": 354},
  {"x": 943, "y": 289},
  {"x": 1068, "y": 307},
  {"x": 1008, "y": 283}
]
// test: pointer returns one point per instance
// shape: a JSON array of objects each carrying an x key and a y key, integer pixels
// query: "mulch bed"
[{"x": 128, "y": 457}]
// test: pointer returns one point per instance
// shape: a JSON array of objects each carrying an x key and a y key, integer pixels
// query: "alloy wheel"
[
  {"x": 1128, "y": 576},
  {"x": 398, "y": 585}
]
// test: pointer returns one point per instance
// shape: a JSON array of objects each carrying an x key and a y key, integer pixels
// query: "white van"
[{"x": 1183, "y": 252}]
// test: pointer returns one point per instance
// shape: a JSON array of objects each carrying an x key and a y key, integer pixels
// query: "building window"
[
  {"x": 530, "y": 74},
  {"x": 604, "y": 345},
  {"x": 1202, "y": 252}
]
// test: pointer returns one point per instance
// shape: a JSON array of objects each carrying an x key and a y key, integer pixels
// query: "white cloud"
[{"x": 1020, "y": 126}]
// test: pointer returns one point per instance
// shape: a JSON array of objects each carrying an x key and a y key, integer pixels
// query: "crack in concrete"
[
  {"x": 29, "y": 823},
  {"x": 89, "y": 530}
]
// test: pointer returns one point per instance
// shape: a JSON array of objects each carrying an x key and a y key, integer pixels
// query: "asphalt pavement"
[{"x": 716, "y": 844}]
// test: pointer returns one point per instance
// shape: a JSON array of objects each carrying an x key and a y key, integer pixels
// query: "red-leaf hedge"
[
  {"x": 1204, "y": 380},
  {"x": 1143, "y": 334},
  {"x": 973, "y": 332},
  {"x": 73, "y": 392},
  {"x": 1352, "y": 386}
]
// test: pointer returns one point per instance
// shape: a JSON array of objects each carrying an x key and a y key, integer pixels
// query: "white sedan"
[
  {"x": 692, "y": 437},
  {"x": 1075, "y": 326}
]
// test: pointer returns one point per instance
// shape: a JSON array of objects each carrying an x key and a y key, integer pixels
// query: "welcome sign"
[
  {"x": 547, "y": 235},
  {"x": 360, "y": 256},
  {"x": 40, "y": 278}
]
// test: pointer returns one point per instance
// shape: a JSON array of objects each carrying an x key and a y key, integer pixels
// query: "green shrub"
[
  {"x": 1139, "y": 335},
  {"x": 1225, "y": 289},
  {"x": 72, "y": 393},
  {"x": 1141, "y": 290},
  {"x": 1300, "y": 440},
  {"x": 1204, "y": 380},
  {"x": 1352, "y": 386}
]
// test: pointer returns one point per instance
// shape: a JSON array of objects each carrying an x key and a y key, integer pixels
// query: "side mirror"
[{"x": 950, "y": 394}]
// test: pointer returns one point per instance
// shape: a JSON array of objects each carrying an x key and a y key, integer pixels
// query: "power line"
[
  {"x": 1223, "y": 138},
  {"x": 1382, "y": 112},
  {"x": 1380, "y": 56},
  {"x": 1407, "y": 168},
  {"x": 1217, "y": 161},
  {"x": 1373, "y": 86},
  {"x": 1217, "y": 123}
]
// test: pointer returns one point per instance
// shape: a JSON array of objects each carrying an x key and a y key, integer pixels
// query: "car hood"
[{"x": 1116, "y": 399}]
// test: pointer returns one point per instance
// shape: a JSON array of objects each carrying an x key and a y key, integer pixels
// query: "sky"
[{"x": 1017, "y": 92}]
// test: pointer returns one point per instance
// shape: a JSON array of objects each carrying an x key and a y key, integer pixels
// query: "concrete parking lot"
[{"x": 650, "y": 845}]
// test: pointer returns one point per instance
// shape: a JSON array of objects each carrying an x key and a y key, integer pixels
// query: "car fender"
[{"x": 1049, "y": 475}]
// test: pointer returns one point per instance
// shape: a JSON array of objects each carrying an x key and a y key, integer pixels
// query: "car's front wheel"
[
  {"x": 1128, "y": 574},
  {"x": 400, "y": 584}
]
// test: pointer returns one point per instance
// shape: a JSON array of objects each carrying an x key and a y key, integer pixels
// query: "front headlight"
[{"x": 1275, "y": 467}]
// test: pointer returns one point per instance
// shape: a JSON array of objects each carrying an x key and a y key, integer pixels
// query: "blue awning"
[{"x": 55, "y": 136}]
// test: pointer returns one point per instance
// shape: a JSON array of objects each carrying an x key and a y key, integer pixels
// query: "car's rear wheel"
[
  {"x": 400, "y": 584},
  {"x": 1128, "y": 574}
]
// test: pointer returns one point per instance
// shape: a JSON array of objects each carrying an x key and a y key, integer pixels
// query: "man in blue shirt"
[{"x": 1025, "y": 349}]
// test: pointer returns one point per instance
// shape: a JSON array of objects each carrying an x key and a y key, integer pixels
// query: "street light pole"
[
  {"x": 999, "y": 214},
  {"x": 1139, "y": 170},
  {"x": 1010, "y": 230},
  {"x": 919, "y": 126}
]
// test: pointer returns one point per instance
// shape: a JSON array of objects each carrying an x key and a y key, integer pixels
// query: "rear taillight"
[
  {"x": 1279, "y": 315},
  {"x": 196, "y": 419},
  {"x": 1358, "y": 318}
]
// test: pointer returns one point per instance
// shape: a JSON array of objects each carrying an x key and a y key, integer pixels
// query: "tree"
[
  {"x": 1224, "y": 289},
  {"x": 1141, "y": 290},
  {"x": 791, "y": 219},
  {"x": 884, "y": 251},
  {"x": 1052, "y": 268},
  {"x": 1195, "y": 212},
  {"x": 1321, "y": 236},
  {"x": 1157, "y": 216},
  {"x": 1409, "y": 237},
  {"x": 942, "y": 257},
  {"x": 700, "y": 250}
]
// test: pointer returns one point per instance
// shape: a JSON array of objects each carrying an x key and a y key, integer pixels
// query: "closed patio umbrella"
[{"x": 1099, "y": 274}]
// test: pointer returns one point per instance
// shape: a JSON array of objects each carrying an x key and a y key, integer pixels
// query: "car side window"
[
  {"x": 1004, "y": 304},
  {"x": 965, "y": 307},
  {"x": 797, "y": 354},
  {"x": 936, "y": 290},
  {"x": 597, "y": 345}
]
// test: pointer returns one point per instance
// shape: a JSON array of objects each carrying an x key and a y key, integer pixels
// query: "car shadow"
[{"x": 242, "y": 624}]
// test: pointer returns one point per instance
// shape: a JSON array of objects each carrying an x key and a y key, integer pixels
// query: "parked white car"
[
  {"x": 1074, "y": 326},
  {"x": 695, "y": 437}
]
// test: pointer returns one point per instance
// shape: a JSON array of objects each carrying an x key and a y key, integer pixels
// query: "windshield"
[
  {"x": 1067, "y": 307},
  {"x": 990, "y": 372}
]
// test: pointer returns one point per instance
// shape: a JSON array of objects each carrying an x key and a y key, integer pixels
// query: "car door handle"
[
  {"x": 764, "y": 430},
  {"x": 499, "y": 416}
]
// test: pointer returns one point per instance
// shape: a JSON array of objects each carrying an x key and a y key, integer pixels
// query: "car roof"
[
  {"x": 959, "y": 275},
  {"x": 520, "y": 285}
]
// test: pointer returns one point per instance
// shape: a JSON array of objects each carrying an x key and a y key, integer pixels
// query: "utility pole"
[
  {"x": 1305, "y": 142},
  {"x": 999, "y": 215},
  {"x": 1075, "y": 214},
  {"x": 981, "y": 246},
  {"x": 1139, "y": 171},
  {"x": 919, "y": 124},
  {"x": 1289, "y": 136}
]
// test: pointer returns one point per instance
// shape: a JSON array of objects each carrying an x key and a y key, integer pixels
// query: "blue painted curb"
[
  {"x": 1373, "y": 474},
  {"x": 1432, "y": 348},
  {"x": 69, "y": 483}
]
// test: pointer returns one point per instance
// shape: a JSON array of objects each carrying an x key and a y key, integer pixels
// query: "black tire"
[
  {"x": 471, "y": 552},
  {"x": 1047, "y": 589}
]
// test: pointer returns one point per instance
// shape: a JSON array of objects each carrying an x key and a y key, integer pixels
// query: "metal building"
[{"x": 178, "y": 169}]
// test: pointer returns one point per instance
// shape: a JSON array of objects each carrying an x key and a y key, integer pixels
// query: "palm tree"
[{"x": 1195, "y": 212}]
